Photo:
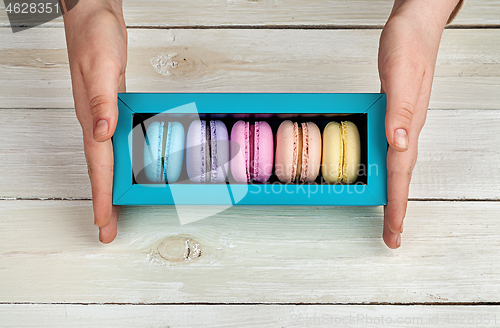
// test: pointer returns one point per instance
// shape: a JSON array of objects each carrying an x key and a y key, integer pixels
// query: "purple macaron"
[{"x": 207, "y": 152}]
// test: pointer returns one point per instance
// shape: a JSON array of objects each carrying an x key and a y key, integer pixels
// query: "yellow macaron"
[{"x": 341, "y": 152}]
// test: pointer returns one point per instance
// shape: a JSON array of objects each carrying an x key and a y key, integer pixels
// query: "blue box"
[{"x": 367, "y": 109}]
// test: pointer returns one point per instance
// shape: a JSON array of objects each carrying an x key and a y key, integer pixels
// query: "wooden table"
[{"x": 260, "y": 266}]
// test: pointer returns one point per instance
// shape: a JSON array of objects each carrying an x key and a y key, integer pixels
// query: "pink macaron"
[{"x": 252, "y": 151}]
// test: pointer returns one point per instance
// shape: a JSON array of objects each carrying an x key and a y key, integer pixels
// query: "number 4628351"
[{"x": 32, "y": 8}]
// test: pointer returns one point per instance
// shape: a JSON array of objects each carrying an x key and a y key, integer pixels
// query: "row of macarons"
[{"x": 250, "y": 151}]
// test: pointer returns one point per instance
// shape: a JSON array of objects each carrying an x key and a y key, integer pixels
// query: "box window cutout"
[{"x": 141, "y": 121}]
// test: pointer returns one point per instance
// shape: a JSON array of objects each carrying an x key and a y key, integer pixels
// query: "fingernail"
[
  {"x": 101, "y": 128},
  {"x": 401, "y": 138},
  {"x": 401, "y": 228},
  {"x": 398, "y": 241}
]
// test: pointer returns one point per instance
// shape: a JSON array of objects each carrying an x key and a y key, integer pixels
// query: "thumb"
[
  {"x": 402, "y": 86},
  {"x": 102, "y": 91}
]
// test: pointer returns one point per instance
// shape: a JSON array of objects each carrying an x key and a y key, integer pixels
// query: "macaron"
[
  {"x": 207, "y": 151},
  {"x": 298, "y": 151},
  {"x": 341, "y": 152},
  {"x": 163, "y": 151},
  {"x": 252, "y": 151}
]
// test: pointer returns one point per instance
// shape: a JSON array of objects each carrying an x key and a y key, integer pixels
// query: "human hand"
[
  {"x": 407, "y": 57},
  {"x": 96, "y": 38}
]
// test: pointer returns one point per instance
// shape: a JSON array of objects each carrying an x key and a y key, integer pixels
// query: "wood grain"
[
  {"x": 50, "y": 253},
  {"x": 41, "y": 155},
  {"x": 374, "y": 13},
  {"x": 49, "y": 250},
  {"x": 259, "y": 316},
  {"x": 36, "y": 65}
]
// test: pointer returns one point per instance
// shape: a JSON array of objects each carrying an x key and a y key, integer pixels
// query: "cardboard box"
[{"x": 137, "y": 109}]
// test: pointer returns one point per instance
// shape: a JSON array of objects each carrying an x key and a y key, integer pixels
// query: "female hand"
[
  {"x": 407, "y": 56},
  {"x": 96, "y": 38}
]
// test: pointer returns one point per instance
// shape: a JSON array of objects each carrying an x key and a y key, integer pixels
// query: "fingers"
[
  {"x": 107, "y": 233},
  {"x": 102, "y": 81},
  {"x": 407, "y": 56},
  {"x": 100, "y": 165},
  {"x": 392, "y": 240},
  {"x": 400, "y": 166},
  {"x": 99, "y": 154},
  {"x": 402, "y": 77},
  {"x": 100, "y": 168},
  {"x": 97, "y": 49},
  {"x": 399, "y": 170},
  {"x": 401, "y": 82},
  {"x": 102, "y": 86}
]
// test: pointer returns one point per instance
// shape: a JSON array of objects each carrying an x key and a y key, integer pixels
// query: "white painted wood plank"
[
  {"x": 36, "y": 66},
  {"x": 41, "y": 155},
  {"x": 458, "y": 156},
  {"x": 71, "y": 315},
  {"x": 50, "y": 253},
  {"x": 293, "y": 12}
]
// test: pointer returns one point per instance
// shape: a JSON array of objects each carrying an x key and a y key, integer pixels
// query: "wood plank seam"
[
  {"x": 273, "y": 27},
  {"x": 263, "y": 303},
  {"x": 409, "y": 199}
]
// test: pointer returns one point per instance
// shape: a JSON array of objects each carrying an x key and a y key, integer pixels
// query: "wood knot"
[{"x": 179, "y": 249}]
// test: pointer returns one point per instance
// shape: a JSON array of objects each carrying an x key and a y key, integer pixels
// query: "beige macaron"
[
  {"x": 298, "y": 151},
  {"x": 341, "y": 152}
]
